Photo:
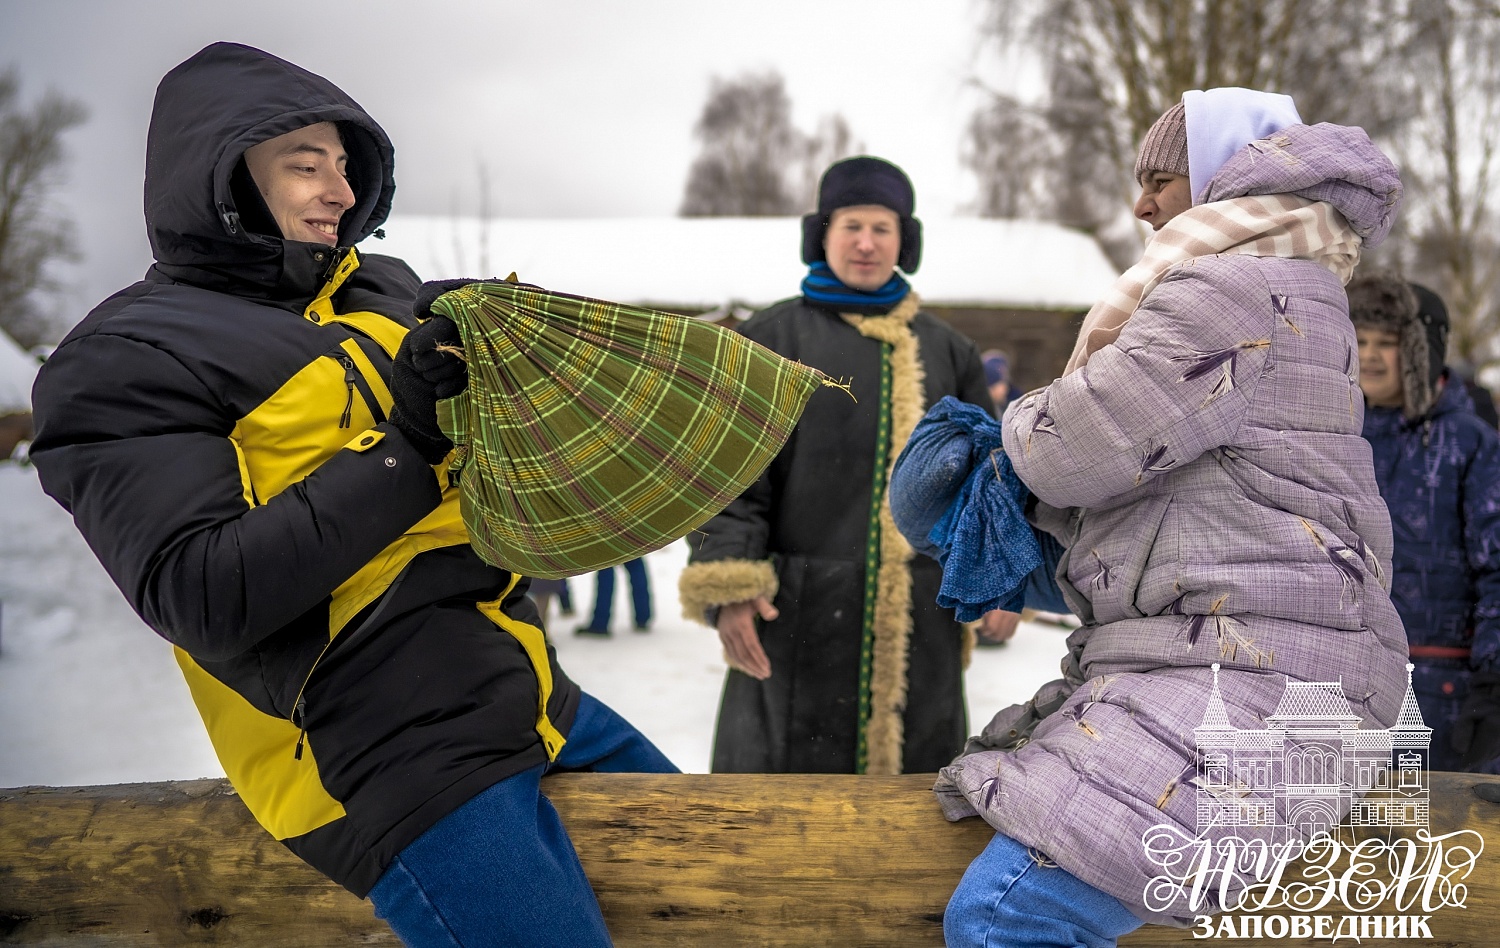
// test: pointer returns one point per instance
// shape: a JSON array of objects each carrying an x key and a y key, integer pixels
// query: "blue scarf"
[{"x": 823, "y": 288}]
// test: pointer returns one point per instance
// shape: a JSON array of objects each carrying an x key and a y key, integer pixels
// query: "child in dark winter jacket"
[{"x": 1438, "y": 466}]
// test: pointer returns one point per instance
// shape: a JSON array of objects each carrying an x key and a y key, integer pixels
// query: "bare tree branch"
[
  {"x": 754, "y": 162},
  {"x": 1113, "y": 66},
  {"x": 1456, "y": 47},
  {"x": 33, "y": 233}
]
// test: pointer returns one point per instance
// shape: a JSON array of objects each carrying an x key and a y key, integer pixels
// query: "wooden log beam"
[{"x": 676, "y": 860}]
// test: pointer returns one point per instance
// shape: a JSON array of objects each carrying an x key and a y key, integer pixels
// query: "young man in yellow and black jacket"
[{"x": 248, "y": 440}]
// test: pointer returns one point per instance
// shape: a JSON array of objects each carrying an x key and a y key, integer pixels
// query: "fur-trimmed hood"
[{"x": 1380, "y": 299}]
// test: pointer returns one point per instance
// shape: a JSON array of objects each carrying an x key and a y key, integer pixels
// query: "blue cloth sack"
[
  {"x": 927, "y": 477},
  {"x": 955, "y": 497}
]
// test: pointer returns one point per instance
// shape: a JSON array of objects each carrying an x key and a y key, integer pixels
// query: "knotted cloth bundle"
[
  {"x": 955, "y": 497},
  {"x": 594, "y": 432}
]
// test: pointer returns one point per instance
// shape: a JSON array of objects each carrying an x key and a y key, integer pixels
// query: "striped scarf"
[
  {"x": 823, "y": 288},
  {"x": 1270, "y": 225}
]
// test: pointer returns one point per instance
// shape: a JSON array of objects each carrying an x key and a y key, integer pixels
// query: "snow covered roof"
[
  {"x": 17, "y": 372},
  {"x": 707, "y": 262}
]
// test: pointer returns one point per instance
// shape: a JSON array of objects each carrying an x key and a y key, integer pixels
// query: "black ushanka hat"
[{"x": 864, "y": 180}]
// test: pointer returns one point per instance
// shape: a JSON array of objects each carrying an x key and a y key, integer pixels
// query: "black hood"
[{"x": 208, "y": 111}]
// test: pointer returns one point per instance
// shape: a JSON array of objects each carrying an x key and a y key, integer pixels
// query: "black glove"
[
  {"x": 1476, "y": 730},
  {"x": 421, "y": 307},
  {"x": 421, "y": 375}
]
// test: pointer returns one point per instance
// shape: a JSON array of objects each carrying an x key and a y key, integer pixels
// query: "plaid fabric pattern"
[
  {"x": 593, "y": 432},
  {"x": 1270, "y": 225}
]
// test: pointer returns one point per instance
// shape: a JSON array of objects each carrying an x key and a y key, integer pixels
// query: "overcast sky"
[{"x": 578, "y": 108}]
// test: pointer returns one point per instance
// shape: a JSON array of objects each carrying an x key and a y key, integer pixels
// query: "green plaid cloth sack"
[{"x": 593, "y": 432}]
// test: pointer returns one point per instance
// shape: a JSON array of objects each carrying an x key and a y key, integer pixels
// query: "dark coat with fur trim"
[
  {"x": 1440, "y": 478},
  {"x": 810, "y": 515}
]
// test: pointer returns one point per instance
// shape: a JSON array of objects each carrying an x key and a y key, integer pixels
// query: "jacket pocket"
[{"x": 534, "y": 642}]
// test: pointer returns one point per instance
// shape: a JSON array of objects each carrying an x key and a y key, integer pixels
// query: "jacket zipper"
[
  {"x": 299, "y": 706},
  {"x": 349, "y": 375},
  {"x": 354, "y": 380},
  {"x": 299, "y": 720}
]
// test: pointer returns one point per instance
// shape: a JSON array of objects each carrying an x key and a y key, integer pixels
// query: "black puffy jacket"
[{"x": 218, "y": 432}]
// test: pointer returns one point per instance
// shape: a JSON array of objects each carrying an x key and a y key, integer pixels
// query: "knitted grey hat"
[{"x": 1165, "y": 147}]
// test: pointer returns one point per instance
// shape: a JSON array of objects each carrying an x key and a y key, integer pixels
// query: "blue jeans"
[
  {"x": 1010, "y": 897},
  {"x": 500, "y": 870},
  {"x": 604, "y": 595}
]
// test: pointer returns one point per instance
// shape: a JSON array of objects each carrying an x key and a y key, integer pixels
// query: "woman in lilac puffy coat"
[{"x": 1202, "y": 463}]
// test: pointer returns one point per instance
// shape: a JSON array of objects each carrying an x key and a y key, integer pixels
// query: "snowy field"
[{"x": 89, "y": 695}]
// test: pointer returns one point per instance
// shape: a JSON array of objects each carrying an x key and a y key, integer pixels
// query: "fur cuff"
[{"x": 704, "y": 586}]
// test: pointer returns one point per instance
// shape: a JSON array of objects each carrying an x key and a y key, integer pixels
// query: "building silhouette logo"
[
  {"x": 1313, "y": 763},
  {"x": 1312, "y": 784}
]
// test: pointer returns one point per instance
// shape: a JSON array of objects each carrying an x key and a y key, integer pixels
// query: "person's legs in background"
[
  {"x": 542, "y": 592},
  {"x": 543, "y": 603},
  {"x": 1013, "y": 897},
  {"x": 565, "y": 599},
  {"x": 640, "y": 593},
  {"x": 604, "y": 601}
]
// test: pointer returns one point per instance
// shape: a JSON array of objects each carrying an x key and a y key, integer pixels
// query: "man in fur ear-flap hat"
[
  {"x": 1438, "y": 466},
  {"x": 840, "y": 659},
  {"x": 864, "y": 181}
]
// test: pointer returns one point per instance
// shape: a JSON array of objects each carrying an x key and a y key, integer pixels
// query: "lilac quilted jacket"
[{"x": 1207, "y": 474}]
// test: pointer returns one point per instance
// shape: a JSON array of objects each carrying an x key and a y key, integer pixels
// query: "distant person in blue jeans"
[
  {"x": 604, "y": 599},
  {"x": 543, "y": 591}
]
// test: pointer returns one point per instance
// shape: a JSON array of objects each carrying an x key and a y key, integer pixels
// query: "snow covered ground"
[{"x": 89, "y": 695}]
